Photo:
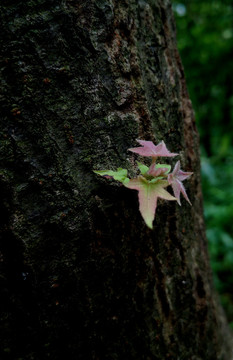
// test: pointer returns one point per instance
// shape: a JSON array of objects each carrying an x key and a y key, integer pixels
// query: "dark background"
[{"x": 205, "y": 41}]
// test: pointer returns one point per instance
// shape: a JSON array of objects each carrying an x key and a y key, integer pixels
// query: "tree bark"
[{"x": 81, "y": 274}]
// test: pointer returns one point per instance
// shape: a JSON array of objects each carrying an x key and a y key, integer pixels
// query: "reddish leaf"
[
  {"x": 149, "y": 149},
  {"x": 175, "y": 180},
  {"x": 148, "y": 193},
  {"x": 159, "y": 169}
]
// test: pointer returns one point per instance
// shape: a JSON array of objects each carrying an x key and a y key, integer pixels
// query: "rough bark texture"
[{"x": 80, "y": 272}]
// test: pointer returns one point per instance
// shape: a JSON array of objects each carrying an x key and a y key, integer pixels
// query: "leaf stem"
[{"x": 154, "y": 158}]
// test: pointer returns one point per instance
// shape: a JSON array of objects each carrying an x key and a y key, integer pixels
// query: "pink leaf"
[
  {"x": 159, "y": 169},
  {"x": 149, "y": 149},
  {"x": 175, "y": 180},
  {"x": 148, "y": 193}
]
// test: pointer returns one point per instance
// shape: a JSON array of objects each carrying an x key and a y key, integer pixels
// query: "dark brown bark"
[{"x": 80, "y": 272}]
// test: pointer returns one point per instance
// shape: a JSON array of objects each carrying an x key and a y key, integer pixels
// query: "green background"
[{"x": 205, "y": 42}]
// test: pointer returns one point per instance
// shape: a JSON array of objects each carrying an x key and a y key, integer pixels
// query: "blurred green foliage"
[{"x": 205, "y": 42}]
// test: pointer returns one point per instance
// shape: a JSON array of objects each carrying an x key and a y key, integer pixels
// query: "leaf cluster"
[{"x": 152, "y": 181}]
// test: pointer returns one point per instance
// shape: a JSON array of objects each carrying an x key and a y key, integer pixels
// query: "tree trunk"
[{"x": 81, "y": 274}]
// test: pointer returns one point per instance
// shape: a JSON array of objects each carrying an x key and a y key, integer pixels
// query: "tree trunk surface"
[{"x": 81, "y": 274}]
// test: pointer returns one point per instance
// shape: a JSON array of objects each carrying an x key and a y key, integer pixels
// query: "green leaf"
[
  {"x": 119, "y": 175},
  {"x": 156, "y": 179},
  {"x": 143, "y": 168},
  {"x": 148, "y": 193},
  {"x": 168, "y": 167}
]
